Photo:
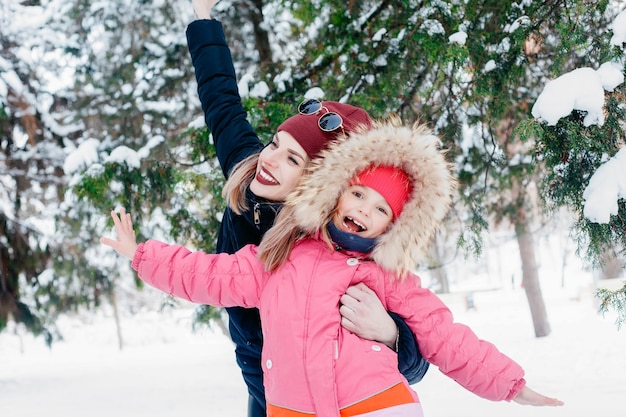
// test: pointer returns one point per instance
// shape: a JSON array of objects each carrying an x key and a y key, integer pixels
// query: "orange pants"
[{"x": 396, "y": 395}]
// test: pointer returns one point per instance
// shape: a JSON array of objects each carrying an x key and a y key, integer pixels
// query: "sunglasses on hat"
[{"x": 328, "y": 122}]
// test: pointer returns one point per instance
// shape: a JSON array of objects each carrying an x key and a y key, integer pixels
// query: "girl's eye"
[
  {"x": 274, "y": 144},
  {"x": 294, "y": 161},
  {"x": 357, "y": 194},
  {"x": 383, "y": 210}
]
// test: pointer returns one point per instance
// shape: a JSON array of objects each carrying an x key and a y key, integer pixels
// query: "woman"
[{"x": 275, "y": 170}]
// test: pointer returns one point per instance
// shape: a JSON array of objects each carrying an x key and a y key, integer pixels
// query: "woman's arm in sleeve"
[
  {"x": 363, "y": 313},
  {"x": 224, "y": 114},
  {"x": 215, "y": 279},
  {"x": 411, "y": 363}
]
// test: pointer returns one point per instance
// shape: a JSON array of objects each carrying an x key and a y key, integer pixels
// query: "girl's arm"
[
  {"x": 474, "y": 363},
  {"x": 219, "y": 280},
  {"x": 126, "y": 243}
]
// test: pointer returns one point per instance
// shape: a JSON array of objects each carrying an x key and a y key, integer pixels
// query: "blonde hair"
[
  {"x": 238, "y": 182},
  {"x": 279, "y": 240}
]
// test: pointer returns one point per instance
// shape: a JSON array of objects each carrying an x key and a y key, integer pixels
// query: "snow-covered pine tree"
[{"x": 470, "y": 69}]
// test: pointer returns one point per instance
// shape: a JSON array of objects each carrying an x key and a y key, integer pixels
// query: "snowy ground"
[{"x": 166, "y": 370}]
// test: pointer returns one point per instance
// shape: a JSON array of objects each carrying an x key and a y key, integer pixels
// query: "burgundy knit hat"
[
  {"x": 305, "y": 130},
  {"x": 390, "y": 182}
]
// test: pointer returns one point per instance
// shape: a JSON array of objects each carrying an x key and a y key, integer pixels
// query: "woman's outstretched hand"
[
  {"x": 529, "y": 397},
  {"x": 202, "y": 8},
  {"x": 126, "y": 243}
]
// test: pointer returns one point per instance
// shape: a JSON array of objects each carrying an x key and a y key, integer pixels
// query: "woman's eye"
[
  {"x": 274, "y": 144},
  {"x": 294, "y": 161}
]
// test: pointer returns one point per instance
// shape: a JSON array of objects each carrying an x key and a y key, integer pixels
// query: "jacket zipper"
[{"x": 257, "y": 214}]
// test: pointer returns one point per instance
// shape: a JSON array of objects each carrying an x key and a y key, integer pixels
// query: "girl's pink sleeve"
[
  {"x": 217, "y": 279},
  {"x": 453, "y": 347}
]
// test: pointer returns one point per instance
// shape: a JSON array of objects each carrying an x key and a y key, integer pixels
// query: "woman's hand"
[
  {"x": 529, "y": 397},
  {"x": 363, "y": 314},
  {"x": 203, "y": 8},
  {"x": 126, "y": 243}
]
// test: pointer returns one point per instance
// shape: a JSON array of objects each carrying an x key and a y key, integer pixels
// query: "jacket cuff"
[
  {"x": 410, "y": 361},
  {"x": 516, "y": 389},
  {"x": 138, "y": 256},
  {"x": 205, "y": 31}
]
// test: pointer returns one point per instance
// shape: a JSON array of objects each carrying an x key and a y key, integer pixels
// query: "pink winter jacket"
[{"x": 310, "y": 362}]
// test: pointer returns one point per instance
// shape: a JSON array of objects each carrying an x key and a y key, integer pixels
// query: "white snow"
[
  {"x": 619, "y": 30},
  {"x": 164, "y": 371},
  {"x": 167, "y": 370},
  {"x": 84, "y": 156},
  {"x": 490, "y": 65},
  {"x": 611, "y": 75},
  {"x": 583, "y": 89},
  {"x": 580, "y": 89},
  {"x": 378, "y": 36},
  {"x": 520, "y": 21},
  {"x": 458, "y": 37},
  {"x": 260, "y": 89},
  {"x": 124, "y": 155},
  {"x": 433, "y": 27},
  {"x": 20, "y": 137},
  {"x": 606, "y": 186}
]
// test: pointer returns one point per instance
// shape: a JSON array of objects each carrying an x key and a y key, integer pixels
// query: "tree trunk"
[
  {"x": 437, "y": 270},
  {"x": 612, "y": 264},
  {"x": 530, "y": 276},
  {"x": 116, "y": 316},
  {"x": 261, "y": 37},
  {"x": 521, "y": 200}
]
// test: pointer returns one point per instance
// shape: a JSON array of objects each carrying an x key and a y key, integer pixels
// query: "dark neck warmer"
[{"x": 349, "y": 241}]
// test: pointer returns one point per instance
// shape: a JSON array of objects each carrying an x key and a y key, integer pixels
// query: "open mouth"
[
  {"x": 265, "y": 178},
  {"x": 353, "y": 225}
]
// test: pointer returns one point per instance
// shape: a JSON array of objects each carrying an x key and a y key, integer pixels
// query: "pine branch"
[{"x": 614, "y": 300}]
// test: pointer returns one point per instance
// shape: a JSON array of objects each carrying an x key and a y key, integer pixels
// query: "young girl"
[
  {"x": 359, "y": 215},
  {"x": 259, "y": 178}
]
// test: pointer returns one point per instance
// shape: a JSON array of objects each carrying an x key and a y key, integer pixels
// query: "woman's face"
[{"x": 279, "y": 168}]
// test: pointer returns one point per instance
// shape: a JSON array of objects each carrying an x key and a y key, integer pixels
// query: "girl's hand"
[
  {"x": 529, "y": 397},
  {"x": 363, "y": 314},
  {"x": 203, "y": 8},
  {"x": 126, "y": 245}
]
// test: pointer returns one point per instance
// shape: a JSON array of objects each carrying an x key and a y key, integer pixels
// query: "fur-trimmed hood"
[{"x": 413, "y": 149}]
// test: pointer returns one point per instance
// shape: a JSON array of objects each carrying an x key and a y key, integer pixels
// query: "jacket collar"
[{"x": 350, "y": 241}]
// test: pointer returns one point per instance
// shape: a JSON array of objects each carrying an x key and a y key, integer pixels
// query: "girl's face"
[
  {"x": 279, "y": 168},
  {"x": 362, "y": 211}
]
